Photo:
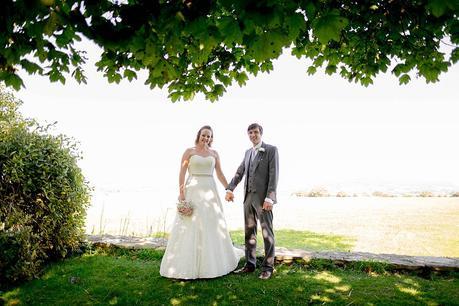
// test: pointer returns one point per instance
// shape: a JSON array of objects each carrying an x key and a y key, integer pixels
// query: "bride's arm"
[
  {"x": 183, "y": 168},
  {"x": 221, "y": 177}
]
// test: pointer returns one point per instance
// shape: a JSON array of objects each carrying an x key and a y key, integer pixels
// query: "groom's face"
[{"x": 254, "y": 135}]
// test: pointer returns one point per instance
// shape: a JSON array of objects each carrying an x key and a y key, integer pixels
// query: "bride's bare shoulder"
[
  {"x": 188, "y": 152},
  {"x": 214, "y": 153}
]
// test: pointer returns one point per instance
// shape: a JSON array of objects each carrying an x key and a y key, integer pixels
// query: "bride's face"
[{"x": 205, "y": 137}]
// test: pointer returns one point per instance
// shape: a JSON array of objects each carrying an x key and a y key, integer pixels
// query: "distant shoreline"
[{"x": 323, "y": 192}]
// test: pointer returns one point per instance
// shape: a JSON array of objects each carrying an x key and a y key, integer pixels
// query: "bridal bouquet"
[{"x": 185, "y": 208}]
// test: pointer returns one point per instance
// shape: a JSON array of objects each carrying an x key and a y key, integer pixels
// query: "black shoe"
[
  {"x": 244, "y": 270},
  {"x": 266, "y": 275}
]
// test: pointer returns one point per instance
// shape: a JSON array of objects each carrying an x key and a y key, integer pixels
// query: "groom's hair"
[
  {"x": 205, "y": 127},
  {"x": 254, "y": 126}
]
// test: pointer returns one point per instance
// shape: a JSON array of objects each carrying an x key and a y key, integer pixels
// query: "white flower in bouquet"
[{"x": 185, "y": 208}]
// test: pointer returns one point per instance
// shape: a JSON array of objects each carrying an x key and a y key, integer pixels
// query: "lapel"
[
  {"x": 259, "y": 156},
  {"x": 246, "y": 160}
]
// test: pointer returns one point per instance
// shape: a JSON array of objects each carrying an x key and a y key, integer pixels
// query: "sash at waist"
[{"x": 201, "y": 174}]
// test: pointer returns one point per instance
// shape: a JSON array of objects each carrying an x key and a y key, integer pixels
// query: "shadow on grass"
[
  {"x": 132, "y": 278},
  {"x": 304, "y": 240}
]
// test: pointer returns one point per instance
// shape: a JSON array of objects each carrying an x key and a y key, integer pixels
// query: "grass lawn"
[
  {"x": 304, "y": 240},
  {"x": 126, "y": 277}
]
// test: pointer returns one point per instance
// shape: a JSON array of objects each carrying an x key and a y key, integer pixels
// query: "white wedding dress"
[{"x": 200, "y": 246}]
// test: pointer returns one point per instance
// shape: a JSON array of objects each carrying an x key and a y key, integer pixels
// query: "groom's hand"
[{"x": 267, "y": 206}]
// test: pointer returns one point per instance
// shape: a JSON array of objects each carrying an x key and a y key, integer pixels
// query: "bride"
[{"x": 199, "y": 245}]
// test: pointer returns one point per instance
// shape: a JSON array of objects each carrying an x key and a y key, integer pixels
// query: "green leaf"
[
  {"x": 130, "y": 74},
  {"x": 454, "y": 31},
  {"x": 226, "y": 80},
  {"x": 295, "y": 24},
  {"x": 230, "y": 30},
  {"x": 404, "y": 79},
  {"x": 311, "y": 70},
  {"x": 219, "y": 90},
  {"x": 455, "y": 55},
  {"x": 329, "y": 26},
  {"x": 330, "y": 69},
  {"x": 267, "y": 66},
  {"x": 267, "y": 46},
  {"x": 66, "y": 37},
  {"x": 51, "y": 24},
  {"x": 198, "y": 27},
  {"x": 318, "y": 61},
  {"x": 31, "y": 67},
  {"x": 206, "y": 46},
  {"x": 54, "y": 76},
  {"x": 437, "y": 7},
  {"x": 241, "y": 78},
  {"x": 344, "y": 72},
  {"x": 311, "y": 10},
  {"x": 272, "y": 20},
  {"x": 298, "y": 52},
  {"x": 253, "y": 68},
  {"x": 175, "y": 96},
  {"x": 365, "y": 81},
  {"x": 13, "y": 80},
  {"x": 79, "y": 75},
  {"x": 188, "y": 95},
  {"x": 452, "y": 4},
  {"x": 137, "y": 43},
  {"x": 151, "y": 56},
  {"x": 429, "y": 72},
  {"x": 400, "y": 68}
]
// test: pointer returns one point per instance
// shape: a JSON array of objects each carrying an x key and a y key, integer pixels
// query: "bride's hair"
[{"x": 205, "y": 127}]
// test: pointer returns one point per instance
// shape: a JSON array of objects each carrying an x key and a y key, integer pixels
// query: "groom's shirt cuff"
[{"x": 228, "y": 190}]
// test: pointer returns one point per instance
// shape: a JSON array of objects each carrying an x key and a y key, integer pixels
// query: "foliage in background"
[
  {"x": 43, "y": 194},
  {"x": 204, "y": 46}
]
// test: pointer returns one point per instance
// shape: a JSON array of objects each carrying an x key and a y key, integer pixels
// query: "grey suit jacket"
[{"x": 264, "y": 176}]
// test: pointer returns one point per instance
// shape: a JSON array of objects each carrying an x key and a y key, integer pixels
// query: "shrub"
[
  {"x": 20, "y": 251},
  {"x": 319, "y": 192},
  {"x": 426, "y": 194},
  {"x": 43, "y": 195},
  {"x": 300, "y": 194},
  {"x": 342, "y": 194},
  {"x": 382, "y": 194}
]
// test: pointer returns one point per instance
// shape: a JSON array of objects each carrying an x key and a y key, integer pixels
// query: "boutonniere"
[{"x": 261, "y": 149}]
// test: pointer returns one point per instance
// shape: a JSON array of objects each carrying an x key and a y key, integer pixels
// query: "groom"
[{"x": 261, "y": 170}]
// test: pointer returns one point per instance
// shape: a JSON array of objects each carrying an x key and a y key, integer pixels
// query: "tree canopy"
[{"x": 203, "y": 46}]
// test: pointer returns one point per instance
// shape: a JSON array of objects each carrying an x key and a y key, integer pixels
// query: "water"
[
  {"x": 143, "y": 212},
  {"x": 397, "y": 225}
]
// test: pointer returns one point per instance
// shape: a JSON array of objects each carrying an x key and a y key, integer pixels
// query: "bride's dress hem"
[{"x": 204, "y": 277}]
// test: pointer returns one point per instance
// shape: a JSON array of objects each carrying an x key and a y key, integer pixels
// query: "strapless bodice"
[{"x": 200, "y": 165}]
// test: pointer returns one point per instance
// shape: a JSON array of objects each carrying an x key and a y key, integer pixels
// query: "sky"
[{"x": 328, "y": 131}]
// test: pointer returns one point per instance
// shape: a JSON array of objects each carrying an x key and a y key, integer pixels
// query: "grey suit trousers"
[{"x": 253, "y": 211}]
